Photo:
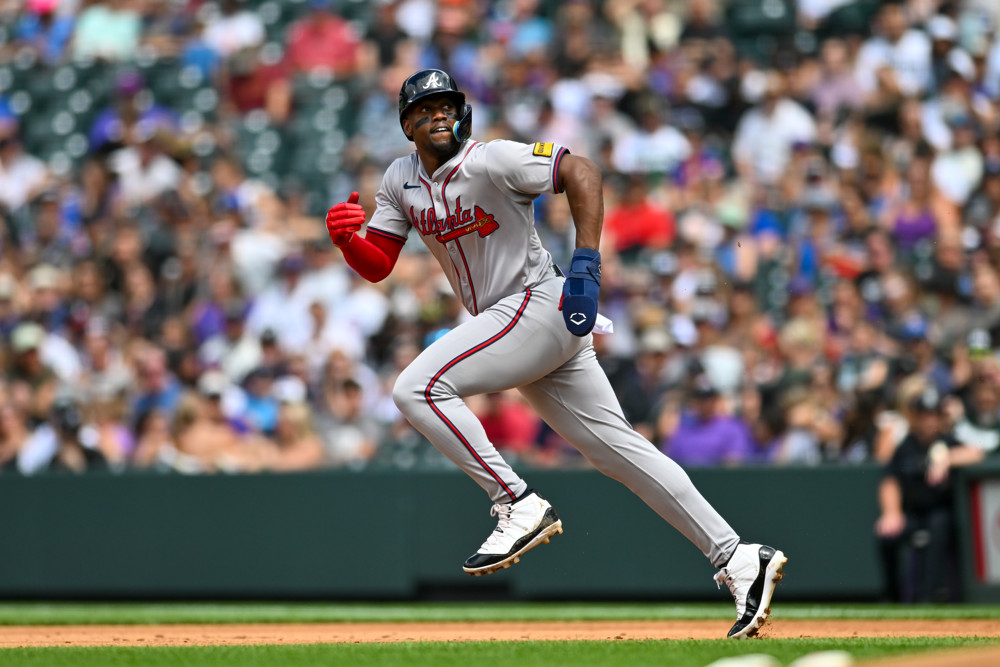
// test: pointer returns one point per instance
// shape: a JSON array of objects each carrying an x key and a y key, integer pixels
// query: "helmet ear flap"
[{"x": 463, "y": 128}]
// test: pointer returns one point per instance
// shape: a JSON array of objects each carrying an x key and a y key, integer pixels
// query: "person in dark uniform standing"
[{"x": 916, "y": 501}]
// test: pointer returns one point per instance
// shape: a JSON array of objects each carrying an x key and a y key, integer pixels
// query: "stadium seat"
[
  {"x": 755, "y": 17},
  {"x": 76, "y": 146},
  {"x": 6, "y": 79},
  {"x": 42, "y": 89},
  {"x": 100, "y": 82},
  {"x": 163, "y": 78},
  {"x": 854, "y": 18},
  {"x": 81, "y": 104},
  {"x": 36, "y": 131}
]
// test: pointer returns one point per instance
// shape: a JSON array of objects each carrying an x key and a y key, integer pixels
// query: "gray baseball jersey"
[{"x": 475, "y": 214}]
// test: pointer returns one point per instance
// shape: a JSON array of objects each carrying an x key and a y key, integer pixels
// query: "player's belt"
[{"x": 556, "y": 270}]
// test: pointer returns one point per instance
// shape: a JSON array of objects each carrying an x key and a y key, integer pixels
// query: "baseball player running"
[{"x": 471, "y": 203}]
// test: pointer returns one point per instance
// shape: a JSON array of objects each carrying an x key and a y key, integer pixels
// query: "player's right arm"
[{"x": 373, "y": 258}]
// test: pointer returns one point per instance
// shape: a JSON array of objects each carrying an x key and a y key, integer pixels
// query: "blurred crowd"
[{"x": 802, "y": 232}]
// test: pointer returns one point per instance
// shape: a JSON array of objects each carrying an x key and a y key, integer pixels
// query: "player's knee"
[
  {"x": 414, "y": 391},
  {"x": 408, "y": 392},
  {"x": 402, "y": 395}
]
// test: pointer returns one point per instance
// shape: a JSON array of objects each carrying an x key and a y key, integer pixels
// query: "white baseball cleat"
[
  {"x": 751, "y": 575},
  {"x": 523, "y": 525}
]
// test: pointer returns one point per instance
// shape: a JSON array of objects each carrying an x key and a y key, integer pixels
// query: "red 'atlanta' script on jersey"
[{"x": 461, "y": 222}]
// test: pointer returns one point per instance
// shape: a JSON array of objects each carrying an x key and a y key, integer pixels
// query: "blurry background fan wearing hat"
[
  {"x": 46, "y": 292},
  {"x": 947, "y": 57},
  {"x": 235, "y": 350},
  {"x": 283, "y": 307},
  {"x": 976, "y": 369},
  {"x": 45, "y": 234},
  {"x": 705, "y": 434},
  {"x": 143, "y": 167},
  {"x": 918, "y": 356},
  {"x": 261, "y": 405},
  {"x": 348, "y": 431},
  {"x": 63, "y": 442},
  {"x": 916, "y": 503},
  {"x": 768, "y": 132},
  {"x": 130, "y": 117},
  {"x": 978, "y": 422},
  {"x": 33, "y": 383},
  {"x": 641, "y": 383},
  {"x": 982, "y": 212}
]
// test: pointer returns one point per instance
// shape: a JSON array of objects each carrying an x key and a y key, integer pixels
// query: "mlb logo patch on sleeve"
[{"x": 545, "y": 150}]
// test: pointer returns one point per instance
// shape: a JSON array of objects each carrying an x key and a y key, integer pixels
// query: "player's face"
[{"x": 431, "y": 121}]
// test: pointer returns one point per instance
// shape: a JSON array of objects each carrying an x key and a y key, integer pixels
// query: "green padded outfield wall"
[{"x": 394, "y": 535}]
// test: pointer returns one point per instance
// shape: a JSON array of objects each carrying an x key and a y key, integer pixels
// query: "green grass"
[
  {"x": 523, "y": 654},
  {"x": 67, "y": 613}
]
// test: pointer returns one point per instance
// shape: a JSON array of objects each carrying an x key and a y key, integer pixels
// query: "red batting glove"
[{"x": 344, "y": 219}]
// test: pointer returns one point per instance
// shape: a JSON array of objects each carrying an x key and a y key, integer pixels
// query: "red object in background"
[
  {"x": 845, "y": 266},
  {"x": 42, "y": 6},
  {"x": 510, "y": 424},
  {"x": 765, "y": 335},
  {"x": 323, "y": 41},
  {"x": 641, "y": 224},
  {"x": 976, "y": 518},
  {"x": 250, "y": 91}
]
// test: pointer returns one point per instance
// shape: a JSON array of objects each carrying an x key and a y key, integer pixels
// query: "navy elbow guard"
[{"x": 580, "y": 291}]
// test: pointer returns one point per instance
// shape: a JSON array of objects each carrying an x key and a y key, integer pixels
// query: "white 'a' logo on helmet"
[{"x": 433, "y": 81}]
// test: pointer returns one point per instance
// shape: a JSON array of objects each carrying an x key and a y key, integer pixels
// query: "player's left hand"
[{"x": 580, "y": 291}]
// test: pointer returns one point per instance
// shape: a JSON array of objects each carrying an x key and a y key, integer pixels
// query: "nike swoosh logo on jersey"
[{"x": 407, "y": 186}]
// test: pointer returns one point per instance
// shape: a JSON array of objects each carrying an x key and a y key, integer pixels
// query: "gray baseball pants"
[{"x": 522, "y": 342}]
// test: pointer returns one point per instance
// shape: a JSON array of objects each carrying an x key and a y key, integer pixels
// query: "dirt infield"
[
  {"x": 980, "y": 657},
  {"x": 310, "y": 633}
]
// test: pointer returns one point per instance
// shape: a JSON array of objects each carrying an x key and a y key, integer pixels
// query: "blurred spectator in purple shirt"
[
  {"x": 128, "y": 117},
  {"x": 706, "y": 435}
]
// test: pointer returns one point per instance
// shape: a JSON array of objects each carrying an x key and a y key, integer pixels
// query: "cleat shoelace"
[
  {"x": 724, "y": 577},
  {"x": 503, "y": 511}
]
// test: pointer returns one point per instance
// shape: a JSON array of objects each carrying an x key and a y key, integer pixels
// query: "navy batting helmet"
[{"x": 428, "y": 82}]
